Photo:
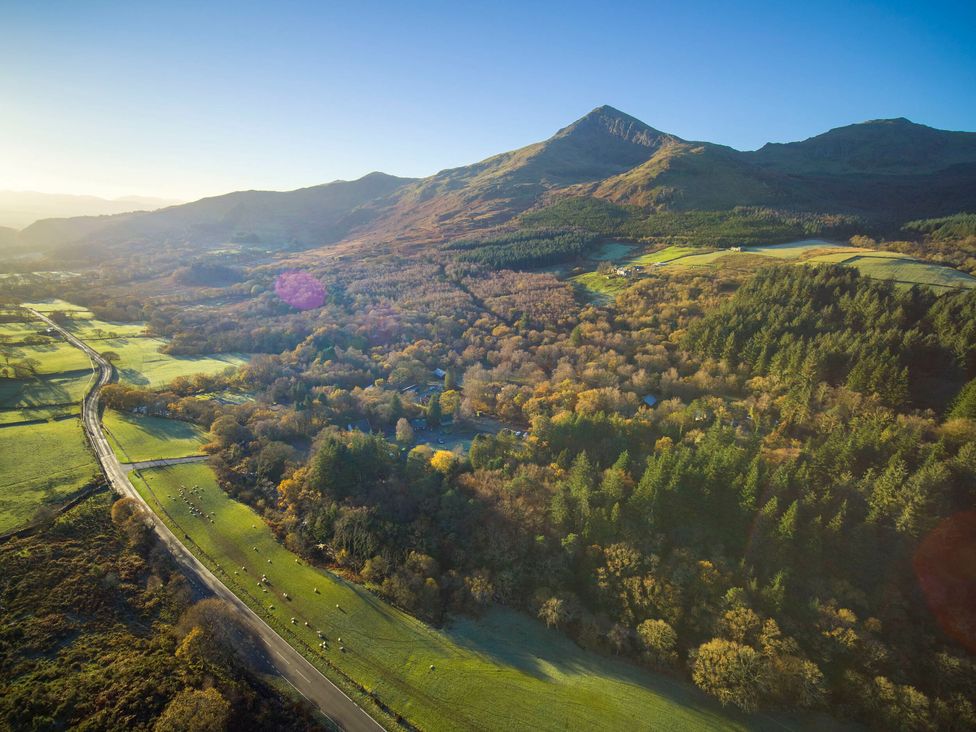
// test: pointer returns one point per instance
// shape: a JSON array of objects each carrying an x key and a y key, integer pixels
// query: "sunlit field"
[
  {"x": 41, "y": 465},
  {"x": 502, "y": 671},
  {"x": 137, "y": 438}
]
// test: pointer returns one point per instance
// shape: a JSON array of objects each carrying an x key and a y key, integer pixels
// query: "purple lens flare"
[{"x": 300, "y": 290}]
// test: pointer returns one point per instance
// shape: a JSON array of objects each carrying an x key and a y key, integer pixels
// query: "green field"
[
  {"x": 54, "y": 304},
  {"x": 908, "y": 271},
  {"x": 43, "y": 390},
  {"x": 795, "y": 249},
  {"x": 503, "y": 671},
  {"x": 699, "y": 260},
  {"x": 12, "y": 416},
  {"x": 136, "y": 438},
  {"x": 41, "y": 464},
  {"x": 16, "y": 331},
  {"x": 882, "y": 265},
  {"x": 92, "y": 329},
  {"x": 602, "y": 287},
  {"x": 52, "y": 358},
  {"x": 141, "y": 363}
]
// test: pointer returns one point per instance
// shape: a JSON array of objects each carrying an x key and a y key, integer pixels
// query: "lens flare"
[
  {"x": 300, "y": 290},
  {"x": 945, "y": 565}
]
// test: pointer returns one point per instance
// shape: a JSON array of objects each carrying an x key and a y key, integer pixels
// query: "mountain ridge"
[{"x": 890, "y": 169}]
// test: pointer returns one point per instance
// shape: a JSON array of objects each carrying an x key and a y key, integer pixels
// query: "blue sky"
[{"x": 179, "y": 100}]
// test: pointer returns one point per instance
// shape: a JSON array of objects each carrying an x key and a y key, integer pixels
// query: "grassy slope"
[
  {"x": 42, "y": 464},
  {"x": 874, "y": 264},
  {"x": 604, "y": 287},
  {"x": 501, "y": 672},
  {"x": 151, "y": 438},
  {"x": 906, "y": 270}
]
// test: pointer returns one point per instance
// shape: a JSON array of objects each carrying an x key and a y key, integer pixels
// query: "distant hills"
[
  {"x": 318, "y": 214},
  {"x": 22, "y": 208},
  {"x": 885, "y": 172}
]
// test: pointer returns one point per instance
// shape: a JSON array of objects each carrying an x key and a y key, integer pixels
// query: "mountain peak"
[{"x": 607, "y": 122}]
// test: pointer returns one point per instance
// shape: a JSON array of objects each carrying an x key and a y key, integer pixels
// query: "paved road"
[
  {"x": 307, "y": 679},
  {"x": 162, "y": 462}
]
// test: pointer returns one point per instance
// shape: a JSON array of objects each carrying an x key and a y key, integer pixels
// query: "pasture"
[
  {"x": 908, "y": 271},
  {"x": 502, "y": 671},
  {"x": 601, "y": 287},
  {"x": 31, "y": 414},
  {"x": 55, "y": 305},
  {"x": 42, "y": 465},
  {"x": 52, "y": 357},
  {"x": 15, "y": 331},
  {"x": 141, "y": 363},
  {"x": 796, "y": 249},
  {"x": 882, "y": 265},
  {"x": 43, "y": 391},
  {"x": 136, "y": 438},
  {"x": 89, "y": 329}
]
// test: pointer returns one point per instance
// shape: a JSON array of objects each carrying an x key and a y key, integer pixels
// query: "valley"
[{"x": 609, "y": 428}]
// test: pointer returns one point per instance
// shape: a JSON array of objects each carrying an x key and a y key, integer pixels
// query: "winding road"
[{"x": 292, "y": 666}]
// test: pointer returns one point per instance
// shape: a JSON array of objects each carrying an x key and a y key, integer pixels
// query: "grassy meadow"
[
  {"x": 51, "y": 358},
  {"x": 136, "y": 438},
  {"x": 908, "y": 271},
  {"x": 43, "y": 391},
  {"x": 502, "y": 671},
  {"x": 91, "y": 329},
  {"x": 900, "y": 268},
  {"x": 603, "y": 287},
  {"x": 33, "y": 414},
  {"x": 141, "y": 363},
  {"x": 42, "y": 464},
  {"x": 16, "y": 331}
]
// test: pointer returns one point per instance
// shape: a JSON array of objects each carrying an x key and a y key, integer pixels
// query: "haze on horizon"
[{"x": 223, "y": 98}]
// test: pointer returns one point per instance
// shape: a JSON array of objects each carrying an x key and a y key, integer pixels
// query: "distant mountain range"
[
  {"x": 887, "y": 171},
  {"x": 22, "y": 208}
]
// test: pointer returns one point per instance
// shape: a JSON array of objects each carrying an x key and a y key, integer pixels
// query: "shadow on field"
[{"x": 509, "y": 638}]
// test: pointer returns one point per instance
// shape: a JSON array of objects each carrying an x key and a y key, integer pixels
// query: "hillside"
[
  {"x": 878, "y": 147},
  {"x": 884, "y": 172},
  {"x": 884, "y": 169},
  {"x": 22, "y": 208},
  {"x": 8, "y": 237},
  {"x": 315, "y": 215}
]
